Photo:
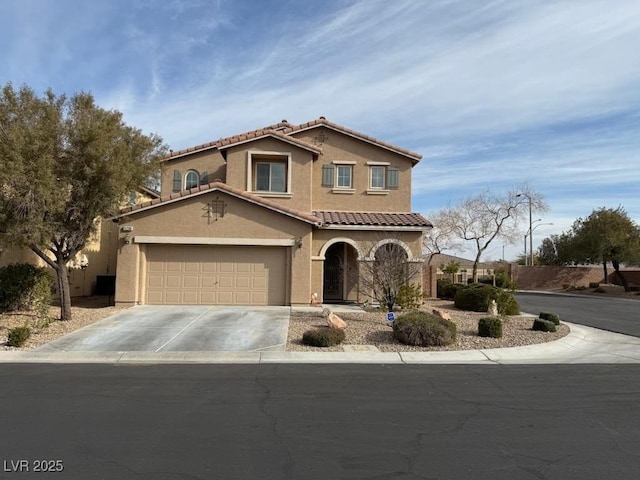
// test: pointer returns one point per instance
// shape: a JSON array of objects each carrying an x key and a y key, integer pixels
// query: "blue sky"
[{"x": 491, "y": 93}]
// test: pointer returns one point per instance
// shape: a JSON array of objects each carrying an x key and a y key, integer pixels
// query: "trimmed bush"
[
  {"x": 447, "y": 289},
  {"x": 541, "y": 325},
  {"x": 552, "y": 317},
  {"x": 17, "y": 336},
  {"x": 323, "y": 337},
  {"x": 24, "y": 287},
  {"x": 424, "y": 330},
  {"x": 474, "y": 297},
  {"x": 490, "y": 327}
]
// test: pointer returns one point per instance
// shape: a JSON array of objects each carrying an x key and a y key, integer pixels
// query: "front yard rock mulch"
[{"x": 372, "y": 328}]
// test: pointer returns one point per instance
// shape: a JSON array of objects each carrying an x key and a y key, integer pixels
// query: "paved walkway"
[{"x": 582, "y": 345}]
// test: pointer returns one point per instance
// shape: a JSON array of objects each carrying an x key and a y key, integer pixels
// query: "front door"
[{"x": 333, "y": 273}]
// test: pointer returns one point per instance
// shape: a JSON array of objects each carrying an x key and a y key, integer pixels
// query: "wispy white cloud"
[{"x": 492, "y": 93}]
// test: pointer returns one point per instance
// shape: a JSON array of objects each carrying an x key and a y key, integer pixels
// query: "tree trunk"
[
  {"x": 625, "y": 284},
  {"x": 63, "y": 290},
  {"x": 606, "y": 273}
]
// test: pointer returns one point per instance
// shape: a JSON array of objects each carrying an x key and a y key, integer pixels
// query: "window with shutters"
[
  {"x": 338, "y": 175},
  {"x": 382, "y": 178}
]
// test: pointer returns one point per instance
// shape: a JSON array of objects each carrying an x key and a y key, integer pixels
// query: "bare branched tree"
[
  {"x": 484, "y": 217},
  {"x": 384, "y": 274}
]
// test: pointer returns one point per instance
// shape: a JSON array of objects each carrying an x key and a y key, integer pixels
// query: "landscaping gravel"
[{"x": 372, "y": 328}]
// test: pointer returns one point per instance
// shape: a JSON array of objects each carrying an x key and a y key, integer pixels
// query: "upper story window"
[
  {"x": 382, "y": 177},
  {"x": 269, "y": 173},
  {"x": 344, "y": 176},
  {"x": 339, "y": 176},
  {"x": 191, "y": 179},
  {"x": 270, "y": 177},
  {"x": 378, "y": 175}
]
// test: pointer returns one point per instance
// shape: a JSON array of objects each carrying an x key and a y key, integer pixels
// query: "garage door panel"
[
  {"x": 190, "y": 297},
  {"x": 259, "y": 282},
  {"x": 226, "y": 267},
  {"x": 216, "y": 275},
  {"x": 191, "y": 281},
  {"x": 172, "y": 297}
]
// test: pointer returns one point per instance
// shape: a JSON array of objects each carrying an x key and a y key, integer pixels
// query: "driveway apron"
[{"x": 155, "y": 328}]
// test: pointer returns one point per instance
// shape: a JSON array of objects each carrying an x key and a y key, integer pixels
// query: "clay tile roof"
[
  {"x": 378, "y": 219},
  {"x": 347, "y": 131},
  {"x": 255, "y": 134},
  {"x": 178, "y": 196}
]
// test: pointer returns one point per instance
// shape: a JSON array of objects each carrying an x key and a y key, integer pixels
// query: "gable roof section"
[
  {"x": 258, "y": 134},
  {"x": 222, "y": 187},
  {"x": 323, "y": 122},
  {"x": 284, "y": 131},
  {"x": 375, "y": 219}
]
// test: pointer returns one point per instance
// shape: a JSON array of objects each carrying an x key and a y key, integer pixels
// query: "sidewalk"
[{"x": 582, "y": 345}]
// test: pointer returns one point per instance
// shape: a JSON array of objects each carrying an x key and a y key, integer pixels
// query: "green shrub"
[
  {"x": 25, "y": 287},
  {"x": 17, "y": 336},
  {"x": 446, "y": 289},
  {"x": 424, "y": 329},
  {"x": 409, "y": 296},
  {"x": 323, "y": 337},
  {"x": 541, "y": 325},
  {"x": 490, "y": 327},
  {"x": 552, "y": 317},
  {"x": 474, "y": 297},
  {"x": 506, "y": 302}
]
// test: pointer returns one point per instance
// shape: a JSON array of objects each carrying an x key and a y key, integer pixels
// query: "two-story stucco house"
[{"x": 275, "y": 216}]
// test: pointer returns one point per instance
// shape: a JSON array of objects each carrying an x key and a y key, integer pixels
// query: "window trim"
[{"x": 263, "y": 153}]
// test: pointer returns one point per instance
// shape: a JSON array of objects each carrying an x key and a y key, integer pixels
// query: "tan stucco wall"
[
  {"x": 187, "y": 218},
  {"x": 340, "y": 147},
  {"x": 301, "y": 170},
  {"x": 210, "y": 161}
]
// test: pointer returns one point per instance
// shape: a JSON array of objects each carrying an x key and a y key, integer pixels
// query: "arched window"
[{"x": 191, "y": 180}]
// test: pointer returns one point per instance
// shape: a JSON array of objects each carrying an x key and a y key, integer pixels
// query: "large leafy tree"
[
  {"x": 64, "y": 163},
  {"x": 481, "y": 219},
  {"x": 607, "y": 235}
]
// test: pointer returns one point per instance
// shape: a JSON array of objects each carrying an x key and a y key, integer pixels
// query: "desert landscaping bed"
[
  {"x": 372, "y": 328},
  {"x": 363, "y": 328}
]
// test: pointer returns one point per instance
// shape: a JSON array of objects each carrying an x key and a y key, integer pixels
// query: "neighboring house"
[
  {"x": 276, "y": 216},
  {"x": 98, "y": 258},
  {"x": 439, "y": 260}
]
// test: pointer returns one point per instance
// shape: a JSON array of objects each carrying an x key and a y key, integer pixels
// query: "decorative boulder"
[
  {"x": 441, "y": 313},
  {"x": 333, "y": 320}
]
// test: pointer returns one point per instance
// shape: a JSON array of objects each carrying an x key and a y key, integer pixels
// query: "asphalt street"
[
  {"x": 321, "y": 421},
  {"x": 613, "y": 314}
]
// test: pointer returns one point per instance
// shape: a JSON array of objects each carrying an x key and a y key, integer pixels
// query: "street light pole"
[{"x": 530, "y": 228}]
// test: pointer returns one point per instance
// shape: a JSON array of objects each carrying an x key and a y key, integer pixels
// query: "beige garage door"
[{"x": 215, "y": 275}]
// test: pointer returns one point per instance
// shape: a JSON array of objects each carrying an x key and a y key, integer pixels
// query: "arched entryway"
[{"x": 340, "y": 276}]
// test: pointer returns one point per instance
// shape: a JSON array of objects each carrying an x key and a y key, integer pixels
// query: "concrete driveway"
[{"x": 154, "y": 328}]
